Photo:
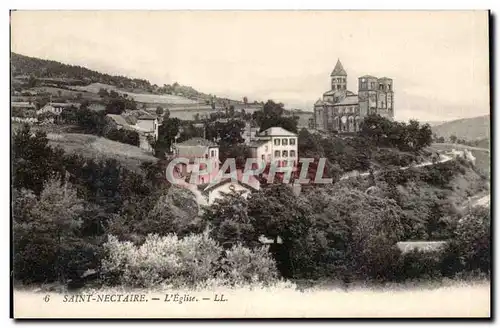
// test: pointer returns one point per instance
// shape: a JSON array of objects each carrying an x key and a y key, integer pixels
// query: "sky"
[{"x": 439, "y": 60}]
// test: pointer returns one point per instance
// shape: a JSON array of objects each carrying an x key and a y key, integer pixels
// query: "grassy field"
[
  {"x": 139, "y": 97},
  {"x": 92, "y": 146},
  {"x": 452, "y": 299}
]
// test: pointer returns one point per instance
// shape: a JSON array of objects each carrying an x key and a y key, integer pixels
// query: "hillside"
[
  {"x": 101, "y": 148},
  {"x": 29, "y": 72},
  {"x": 22, "y": 67},
  {"x": 468, "y": 128}
]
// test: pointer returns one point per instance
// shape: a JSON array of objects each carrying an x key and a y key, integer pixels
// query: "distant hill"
[
  {"x": 469, "y": 129},
  {"x": 28, "y": 72},
  {"x": 24, "y": 67}
]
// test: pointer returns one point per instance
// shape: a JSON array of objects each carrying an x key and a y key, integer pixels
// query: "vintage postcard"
[{"x": 250, "y": 164}]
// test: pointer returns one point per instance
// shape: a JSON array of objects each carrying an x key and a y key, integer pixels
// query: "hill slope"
[
  {"x": 468, "y": 128},
  {"x": 25, "y": 66}
]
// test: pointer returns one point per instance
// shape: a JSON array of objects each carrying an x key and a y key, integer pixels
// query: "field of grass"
[
  {"x": 92, "y": 146},
  {"x": 452, "y": 299},
  {"x": 139, "y": 97}
]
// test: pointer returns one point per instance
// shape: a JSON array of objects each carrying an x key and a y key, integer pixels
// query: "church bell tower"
[{"x": 339, "y": 77}]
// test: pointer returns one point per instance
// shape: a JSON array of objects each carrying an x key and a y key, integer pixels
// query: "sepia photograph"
[{"x": 190, "y": 164}]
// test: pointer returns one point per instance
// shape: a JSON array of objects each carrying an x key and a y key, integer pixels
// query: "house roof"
[
  {"x": 338, "y": 70},
  {"x": 349, "y": 100},
  {"x": 423, "y": 246},
  {"x": 385, "y": 78},
  {"x": 198, "y": 142},
  {"x": 120, "y": 120},
  {"x": 276, "y": 131},
  {"x": 144, "y": 115},
  {"x": 252, "y": 183},
  {"x": 368, "y": 77}
]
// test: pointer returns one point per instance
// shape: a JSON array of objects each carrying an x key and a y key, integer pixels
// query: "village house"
[
  {"x": 275, "y": 144},
  {"x": 342, "y": 110},
  {"x": 56, "y": 108},
  {"x": 144, "y": 124},
  {"x": 193, "y": 149},
  {"x": 212, "y": 192}
]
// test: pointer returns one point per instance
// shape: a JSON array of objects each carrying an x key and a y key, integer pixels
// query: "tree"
[
  {"x": 103, "y": 93},
  {"x": 159, "y": 111},
  {"x": 115, "y": 106},
  {"x": 166, "y": 114},
  {"x": 272, "y": 115},
  {"x": 167, "y": 133},
  {"x": 472, "y": 239},
  {"x": 453, "y": 138},
  {"x": 245, "y": 100},
  {"x": 52, "y": 224},
  {"x": 229, "y": 221}
]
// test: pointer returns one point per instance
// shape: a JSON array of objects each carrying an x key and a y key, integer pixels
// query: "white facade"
[
  {"x": 276, "y": 144},
  {"x": 150, "y": 125}
]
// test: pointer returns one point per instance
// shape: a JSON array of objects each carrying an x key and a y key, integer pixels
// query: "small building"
[
  {"x": 228, "y": 185},
  {"x": 56, "y": 108},
  {"x": 198, "y": 148}
]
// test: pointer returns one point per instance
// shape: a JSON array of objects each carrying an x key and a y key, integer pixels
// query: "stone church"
[{"x": 342, "y": 110}]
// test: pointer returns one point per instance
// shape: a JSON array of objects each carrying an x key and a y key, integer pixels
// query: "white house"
[
  {"x": 146, "y": 126},
  {"x": 148, "y": 123},
  {"x": 275, "y": 144}
]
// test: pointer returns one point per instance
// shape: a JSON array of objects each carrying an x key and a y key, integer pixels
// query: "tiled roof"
[
  {"x": 118, "y": 119},
  {"x": 368, "y": 77},
  {"x": 338, "y": 70},
  {"x": 252, "y": 182},
  {"x": 276, "y": 131},
  {"x": 198, "y": 142}
]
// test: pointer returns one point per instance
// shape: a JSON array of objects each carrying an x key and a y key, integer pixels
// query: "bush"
[
  {"x": 421, "y": 265},
  {"x": 124, "y": 136},
  {"x": 188, "y": 262},
  {"x": 161, "y": 260},
  {"x": 242, "y": 265}
]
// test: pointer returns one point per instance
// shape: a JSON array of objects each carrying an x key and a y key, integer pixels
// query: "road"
[
  {"x": 444, "y": 158},
  {"x": 458, "y": 146}
]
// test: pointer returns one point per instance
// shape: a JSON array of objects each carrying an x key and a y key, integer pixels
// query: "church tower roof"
[{"x": 338, "y": 70}]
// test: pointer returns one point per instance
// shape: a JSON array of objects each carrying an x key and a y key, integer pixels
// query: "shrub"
[
  {"x": 421, "y": 265},
  {"x": 242, "y": 265},
  {"x": 161, "y": 260}
]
